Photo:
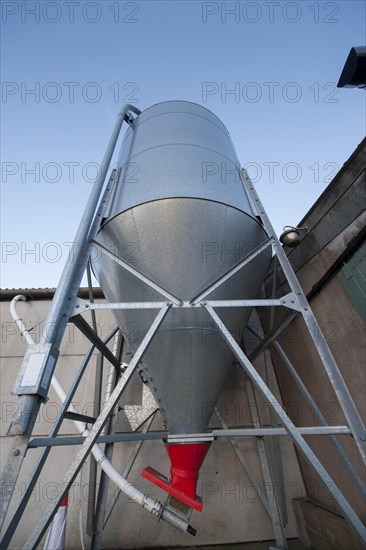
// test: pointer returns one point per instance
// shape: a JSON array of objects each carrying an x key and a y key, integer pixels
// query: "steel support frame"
[
  {"x": 290, "y": 428},
  {"x": 273, "y": 500},
  {"x": 59, "y": 314},
  {"x": 335, "y": 377},
  {"x": 65, "y": 305},
  {"x": 346, "y": 461},
  {"x": 44, "y": 454},
  {"x": 62, "y": 441},
  {"x": 296, "y": 301},
  {"x": 293, "y": 432},
  {"x": 360, "y": 486},
  {"x": 291, "y": 301},
  {"x": 64, "y": 485},
  {"x": 147, "y": 424}
]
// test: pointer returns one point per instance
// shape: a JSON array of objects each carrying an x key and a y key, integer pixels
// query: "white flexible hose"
[{"x": 150, "y": 504}]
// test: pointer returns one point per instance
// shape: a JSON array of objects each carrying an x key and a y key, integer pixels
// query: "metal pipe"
[
  {"x": 191, "y": 438},
  {"x": 64, "y": 298},
  {"x": 71, "y": 276},
  {"x": 18, "y": 320},
  {"x": 93, "y": 464},
  {"x": 57, "y": 532},
  {"x": 128, "y": 467}
]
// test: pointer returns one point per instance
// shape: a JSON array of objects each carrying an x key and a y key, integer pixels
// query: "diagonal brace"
[
  {"x": 291, "y": 429},
  {"x": 39, "y": 530},
  {"x": 137, "y": 273},
  {"x": 223, "y": 278},
  {"x": 331, "y": 368},
  {"x": 87, "y": 330}
]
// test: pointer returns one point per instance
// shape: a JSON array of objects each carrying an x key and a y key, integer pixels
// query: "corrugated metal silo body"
[{"x": 180, "y": 216}]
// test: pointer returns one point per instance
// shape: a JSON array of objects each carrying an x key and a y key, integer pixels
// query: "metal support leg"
[
  {"x": 346, "y": 461},
  {"x": 11, "y": 471},
  {"x": 274, "y": 441},
  {"x": 109, "y": 428},
  {"x": 274, "y": 445},
  {"x": 359, "y": 484},
  {"x": 345, "y": 400},
  {"x": 275, "y": 514},
  {"x": 96, "y": 542},
  {"x": 63, "y": 301},
  {"x": 93, "y": 463},
  {"x": 272, "y": 335},
  {"x": 128, "y": 467},
  {"x": 86, "y": 329},
  {"x": 291, "y": 429},
  {"x": 253, "y": 480},
  {"x": 96, "y": 410},
  {"x": 90, "y": 440}
]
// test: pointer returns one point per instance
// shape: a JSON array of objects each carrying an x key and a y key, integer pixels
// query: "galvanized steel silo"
[{"x": 181, "y": 217}]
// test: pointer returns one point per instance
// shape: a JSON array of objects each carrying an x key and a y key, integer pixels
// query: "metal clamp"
[{"x": 186, "y": 438}]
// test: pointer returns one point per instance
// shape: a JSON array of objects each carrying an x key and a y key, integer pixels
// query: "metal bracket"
[
  {"x": 36, "y": 371},
  {"x": 80, "y": 307},
  {"x": 177, "y": 507},
  {"x": 187, "y": 438},
  {"x": 289, "y": 300}
]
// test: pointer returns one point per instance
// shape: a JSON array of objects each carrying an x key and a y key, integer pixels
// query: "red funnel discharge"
[{"x": 186, "y": 460}]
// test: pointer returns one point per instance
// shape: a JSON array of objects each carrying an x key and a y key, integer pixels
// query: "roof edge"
[{"x": 8, "y": 294}]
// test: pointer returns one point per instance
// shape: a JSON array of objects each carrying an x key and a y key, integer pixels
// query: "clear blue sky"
[{"x": 289, "y": 123}]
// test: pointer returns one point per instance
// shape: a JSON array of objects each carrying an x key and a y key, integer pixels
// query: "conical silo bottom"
[{"x": 184, "y": 245}]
